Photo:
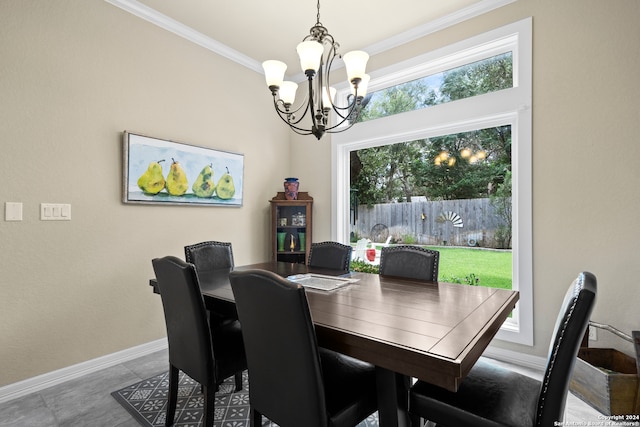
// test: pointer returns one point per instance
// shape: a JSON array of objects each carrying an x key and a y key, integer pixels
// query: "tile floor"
[{"x": 87, "y": 401}]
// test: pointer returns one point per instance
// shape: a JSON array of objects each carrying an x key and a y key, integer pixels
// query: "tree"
[
  {"x": 388, "y": 172},
  {"x": 400, "y": 171},
  {"x": 478, "y": 78},
  {"x": 501, "y": 201}
]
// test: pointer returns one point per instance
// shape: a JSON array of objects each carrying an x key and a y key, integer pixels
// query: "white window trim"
[{"x": 510, "y": 106}]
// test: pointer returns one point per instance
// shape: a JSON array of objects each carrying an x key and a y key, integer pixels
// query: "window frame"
[{"x": 508, "y": 106}]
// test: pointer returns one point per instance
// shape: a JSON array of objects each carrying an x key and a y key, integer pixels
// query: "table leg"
[{"x": 393, "y": 398}]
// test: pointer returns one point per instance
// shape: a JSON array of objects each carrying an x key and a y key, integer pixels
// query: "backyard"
[{"x": 474, "y": 266}]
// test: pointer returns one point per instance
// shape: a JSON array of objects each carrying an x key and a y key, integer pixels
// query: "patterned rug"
[{"x": 146, "y": 401}]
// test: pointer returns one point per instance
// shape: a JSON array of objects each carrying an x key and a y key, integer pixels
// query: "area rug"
[{"x": 146, "y": 401}]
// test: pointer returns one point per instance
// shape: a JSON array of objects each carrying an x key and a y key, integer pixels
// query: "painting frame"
[{"x": 155, "y": 159}]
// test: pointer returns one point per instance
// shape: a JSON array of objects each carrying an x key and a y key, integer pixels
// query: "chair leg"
[
  {"x": 255, "y": 418},
  {"x": 173, "y": 394},
  {"x": 209, "y": 402},
  {"x": 238, "y": 377},
  {"x": 416, "y": 421}
]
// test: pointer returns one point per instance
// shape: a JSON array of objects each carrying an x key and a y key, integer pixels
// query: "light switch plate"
[
  {"x": 55, "y": 212},
  {"x": 13, "y": 211}
]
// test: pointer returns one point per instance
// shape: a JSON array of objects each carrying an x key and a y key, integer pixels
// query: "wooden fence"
[{"x": 472, "y": 222}]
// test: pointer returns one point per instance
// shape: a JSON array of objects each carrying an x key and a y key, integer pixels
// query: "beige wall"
[
  {"x": 586, "y": 122},
  {"x": 74, "y": 74}
]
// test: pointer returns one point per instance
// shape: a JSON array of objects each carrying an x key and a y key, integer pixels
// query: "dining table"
[{"x": 432, "y": 331}]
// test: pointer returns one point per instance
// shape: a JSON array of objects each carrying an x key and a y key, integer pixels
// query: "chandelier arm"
[
  {"x": 342, "y": 129},
  {"x": 351, "y": 104},
  {"x": 350, "y": 108},
  {"x": 286, "y": 116},
  {"x": 353, "y": 112},
  {"x": 289, "y": 115},
  {"x": 278, "y": 104},
  {"x": 291, "y": 124},
  {"x": 340, "y": 125}
]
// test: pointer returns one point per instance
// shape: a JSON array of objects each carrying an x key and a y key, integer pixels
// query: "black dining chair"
[
  {"x": 330, "y": 255},
  {"x": 210, "y": 255},
  {"x": 494, "y": 396},
  {"x": 206, "y": 354},
  {"x": 292, "y": 381},
  {"x": 410, "y": 262}
]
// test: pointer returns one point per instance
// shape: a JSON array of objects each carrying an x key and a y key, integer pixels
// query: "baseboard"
[
  {"x": 521, "y": 359},
  {"x": 35, "y": 384}
]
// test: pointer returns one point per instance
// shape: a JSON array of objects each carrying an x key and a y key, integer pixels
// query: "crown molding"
[
  {"x": 151, "y": 15},
  {"x": 436, "y": 25}
]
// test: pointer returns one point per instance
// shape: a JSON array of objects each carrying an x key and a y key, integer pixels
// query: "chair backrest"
[
  {"x": 410, "y": 262},
  {"x": 185, "y": 315},
  {"x": 330, "y": 255},
  {"x": 570, "y": 327},
  {"x": 207, "y": 256},
  {"x": 285, "y": 381},
  {"x": 360, "y": 250}
]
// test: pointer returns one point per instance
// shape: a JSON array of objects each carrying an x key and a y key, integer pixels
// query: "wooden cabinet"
[{"x": 291, "y": 222}]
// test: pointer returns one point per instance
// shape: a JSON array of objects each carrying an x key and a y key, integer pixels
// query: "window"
[
  {"x": 451, "y": 85},
  {"x": 509, "y": 106}
]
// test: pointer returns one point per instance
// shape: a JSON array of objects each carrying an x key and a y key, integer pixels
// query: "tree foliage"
[{"x": 440, "y": 167}]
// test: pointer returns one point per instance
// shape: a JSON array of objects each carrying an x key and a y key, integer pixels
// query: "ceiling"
[{"x": 251, "y": 31}]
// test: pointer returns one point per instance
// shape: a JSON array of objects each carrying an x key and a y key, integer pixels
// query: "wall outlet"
[{"x": 593, "y": 334}]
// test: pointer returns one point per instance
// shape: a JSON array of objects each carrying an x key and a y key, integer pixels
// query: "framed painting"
[{"x": 159, "y": 171}]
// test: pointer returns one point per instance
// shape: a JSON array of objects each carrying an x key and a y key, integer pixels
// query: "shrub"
[
  {"x": 364, "y": 267},
  {"x": 471, "y": 279},
  {"x": 409, "y": 239}
]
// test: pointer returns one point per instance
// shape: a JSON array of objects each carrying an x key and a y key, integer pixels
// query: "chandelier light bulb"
[
  {"x": 356, "y": 64},
  {"x": 274, "y": 73},
  {"x": 310, "y": 53},
  {"x": 362, "y": 86},
  {"x": 327, "y": 98},
  {"x": 288, "y": 92}
]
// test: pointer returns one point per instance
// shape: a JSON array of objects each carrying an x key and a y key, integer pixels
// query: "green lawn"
[
  {"x": 466, "y": 265},
  {"x": 492, "y": 268}
]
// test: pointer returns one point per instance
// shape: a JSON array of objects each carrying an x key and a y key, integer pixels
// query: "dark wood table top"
[{"x": 431, "y": 331}]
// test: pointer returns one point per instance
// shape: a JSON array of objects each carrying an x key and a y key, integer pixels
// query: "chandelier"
[{"x": 317, "y": 51}]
